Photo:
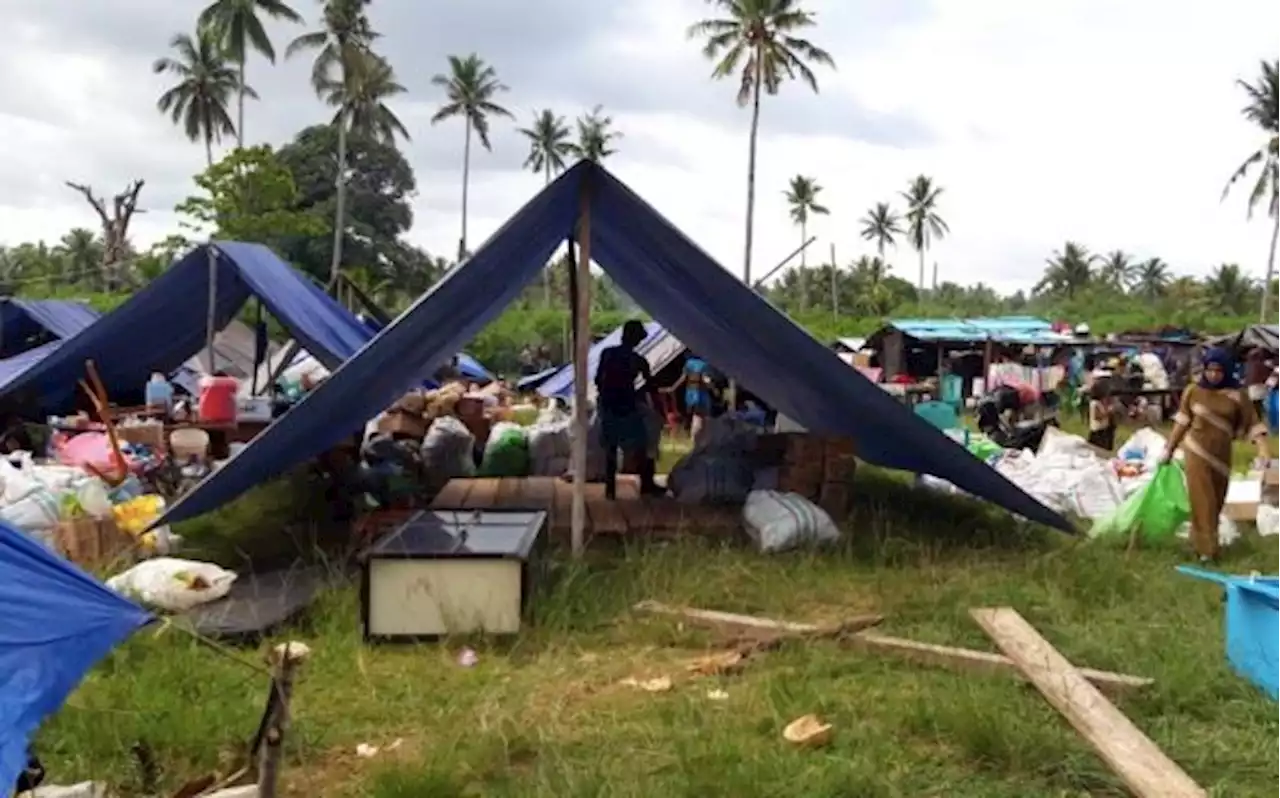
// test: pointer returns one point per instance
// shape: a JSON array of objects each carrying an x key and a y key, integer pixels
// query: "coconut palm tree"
[
  {"x": 361, "y": 98},
  {"x": 1069, "y": 271},
  {"x": 1116, "y": 270},
  {"x": 1229, "y": 290},
  {"x": 1263, "y": 110},
  {"x": 237, "y": 27},
  {"x": 81, "y": 254},
  {"x": 883, "y": 226},
  {"x": 756, "y": 43},
  {"x": 206, "y": 83},
  {"x": 802, "y": 197},
  {"x": 596, "y": 136},
  {"x": 1151, "y": 278},
  {"x": 873, "y": 296},
  {"x": 470, "y": 88},
  {"x": 548, "y": 144},
  {"x": 924, "y": 225},
  {"x": 341, "y": 46}
]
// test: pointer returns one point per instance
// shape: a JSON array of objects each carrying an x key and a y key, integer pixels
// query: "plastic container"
[
  {"x": 218, "y": 399},
  {"x": 1252, "y": 620},
  {"x": 159, "y": 392},
  {"x": 189, "y": 444}
]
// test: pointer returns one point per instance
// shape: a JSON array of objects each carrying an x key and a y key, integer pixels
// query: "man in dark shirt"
[{"x": 623, "y": 408}]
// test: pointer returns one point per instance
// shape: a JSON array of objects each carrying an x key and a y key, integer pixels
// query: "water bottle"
[{"x": 159, "y": 393}]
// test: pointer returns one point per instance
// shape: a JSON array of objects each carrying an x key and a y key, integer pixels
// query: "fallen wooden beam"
[
  {"x": 1127, "y": 751},
  {"x": 968, "y": 659},
  {"x": 715, "y": 619}
]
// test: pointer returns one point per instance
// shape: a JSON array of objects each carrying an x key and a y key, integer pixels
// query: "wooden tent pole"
[{"x": 581, "y": 299}]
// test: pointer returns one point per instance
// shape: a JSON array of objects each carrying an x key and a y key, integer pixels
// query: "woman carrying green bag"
[{"x": 1213, "y": 413}]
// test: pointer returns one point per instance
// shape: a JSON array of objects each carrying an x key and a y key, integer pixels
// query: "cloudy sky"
[{"x": 1111, "y": 123}]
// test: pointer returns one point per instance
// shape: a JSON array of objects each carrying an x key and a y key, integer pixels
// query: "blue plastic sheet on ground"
[{"x": 56, "y": 622}]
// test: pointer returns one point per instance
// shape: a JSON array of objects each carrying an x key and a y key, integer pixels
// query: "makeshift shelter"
[
  {"x": 1255, "y": 336},
  {"x": 702, "y": 304},
  {"x": 40, "y": 320},
  {"x": 174, "y": 316},
  {"x": 659, "y": 348},
  {"x": 56, "y": 622}
]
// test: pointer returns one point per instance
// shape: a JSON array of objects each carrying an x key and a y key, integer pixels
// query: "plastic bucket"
[{"x": 189, "y": 443}]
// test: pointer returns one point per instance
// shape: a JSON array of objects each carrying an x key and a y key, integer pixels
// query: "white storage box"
[{"x": 451, "y": 573}]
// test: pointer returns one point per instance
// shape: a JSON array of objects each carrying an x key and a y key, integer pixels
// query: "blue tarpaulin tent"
[
  {"x": 162, "y": 325},
  {"x": 56, "y": 622},
  {"x": 468, "y": 366},
  {"x": 703, "y": 305},
  {"x": 560, "y": 384},
  {"x": 22, "y": 318}
]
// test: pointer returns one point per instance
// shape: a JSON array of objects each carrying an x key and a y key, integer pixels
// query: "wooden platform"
[{"x": 629, "y": 514}]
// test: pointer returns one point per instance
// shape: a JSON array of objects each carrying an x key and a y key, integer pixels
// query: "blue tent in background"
[
  {"x": 56, "y": 622},
  {"x": 164, "y": 324},
  {"x": 560, "y": 384},
  {"x": 22, "y": 318},
  {"x": 703, "y": 305}
]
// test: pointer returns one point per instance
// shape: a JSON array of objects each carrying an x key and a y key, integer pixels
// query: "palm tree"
[
  {"x": 236, "y": 26},
  {"x": 81, "y": 254},
  {"x": 548, "y": 144},
  {"x": 1151, "y": 278},
  {"x": 759, "y": 36},
  {"x": 1068, "y": 272},
  {"x": 924, "y": 225},
  {"x": 1263, "y": 110},
  {"x": 802, "y": 196},
  {"x": 470, "y": 88},
  {"x": 1116, "y": 270},
  {"x": 370, "y": 81},
  {"x": 342, "y": 45},
  {"x": 882, "y": 225},
  {"x": 1229, "y": 289},
  {"x": 596, "y": 136},
  {"x": 873, "y": 296},
  {"x": 206, "y": 82}
]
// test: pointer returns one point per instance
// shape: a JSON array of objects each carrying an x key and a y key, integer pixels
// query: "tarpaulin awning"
[
  {"x": 56, "y": 622},
  {"x": 703, "y": 305},
  {"x": 22, "y": 318},
  {"x": 161, "y": 326},
  {"x": 1255, "y": 336}
]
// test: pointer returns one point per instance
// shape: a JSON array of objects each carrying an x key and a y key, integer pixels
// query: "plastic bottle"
[{"x": 159, "y": 392}]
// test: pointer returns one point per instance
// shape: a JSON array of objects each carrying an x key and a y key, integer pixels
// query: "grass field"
[{"x": 548, "y": 716}]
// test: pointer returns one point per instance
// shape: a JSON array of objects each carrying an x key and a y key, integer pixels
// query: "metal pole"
[
  {"x": 784, "y": 262},
  {"x": 211, "y": 321},
  {"x": 835, "y": 291},
  {"x": 581, "y": 299}
]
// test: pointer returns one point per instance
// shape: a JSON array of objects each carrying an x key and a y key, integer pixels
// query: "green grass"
[{"x": 545, "y": 715}]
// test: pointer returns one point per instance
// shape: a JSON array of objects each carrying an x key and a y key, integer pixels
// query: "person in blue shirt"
[
  {"x": 623, "y": 409},
  {"x": 697, "y": 392}
]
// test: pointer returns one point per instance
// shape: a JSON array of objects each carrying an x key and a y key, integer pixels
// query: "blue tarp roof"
[
  {"x": 21, "y": 318},
  {"x": 560, "y": 384},
  {"x": 1009, "y": 329},
  {"x": 703, "y": 305},
  {"x": 56, "y": 622},
  {"x": 163, "y": 325}
]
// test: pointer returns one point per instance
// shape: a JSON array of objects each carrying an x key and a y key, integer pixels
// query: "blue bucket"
[{"x": 1252, "y": 625}]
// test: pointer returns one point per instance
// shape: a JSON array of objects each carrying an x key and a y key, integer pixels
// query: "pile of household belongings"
[{"x": 1074, "y": 478}]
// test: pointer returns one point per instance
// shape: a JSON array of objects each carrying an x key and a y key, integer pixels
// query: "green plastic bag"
[
  {"x": 506, "y": 455},
  {"x": 1155, "y": 512}
]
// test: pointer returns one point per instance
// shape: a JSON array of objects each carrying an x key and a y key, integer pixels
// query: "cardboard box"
[
  {"x": 396, "y": 422},
  {"x": 91, "y": 543}
]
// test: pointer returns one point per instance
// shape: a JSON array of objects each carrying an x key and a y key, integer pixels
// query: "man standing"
[{"x": 623, "y": 409}]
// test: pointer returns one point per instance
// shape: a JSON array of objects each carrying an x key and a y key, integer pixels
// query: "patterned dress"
[{"x": 1214, "y": 418}]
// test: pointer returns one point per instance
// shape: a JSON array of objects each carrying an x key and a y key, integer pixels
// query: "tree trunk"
[
  {"x": 466, "y": 176},
  {"x": 751, "y": 170},
  {"x": 208, "y": 148},
  {"x": 340, "y": 204},
  {"x": 804, "y": 268},
  {"x": 240, "y": 100},
  {"x": 546, "y": 272},
  {"x": 921, "y": 250},
  {"x": 1271, "y": 271}
]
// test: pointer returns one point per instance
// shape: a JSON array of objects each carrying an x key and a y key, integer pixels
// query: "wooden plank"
[
  {"x": 973, "y": 661},
  {"x": 453, "y": 495},
  {"x": 606, "y": 517},
  {"x": 540, "y": 492},
  {"x": 562, "y": 505},
  {"x": 635, "y": 513},
  {"x": 483, "y": 493},
  {"x": 1127, "y": 751},
  {"x": 628, "y": 487},
  {"x": 510, "y": 492}
]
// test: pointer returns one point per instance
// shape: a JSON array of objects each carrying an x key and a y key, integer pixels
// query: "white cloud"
[{"x": 1114, "y": 124}]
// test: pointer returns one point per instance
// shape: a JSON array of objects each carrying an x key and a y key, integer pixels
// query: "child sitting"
[{"x": 1102, "y": 419}]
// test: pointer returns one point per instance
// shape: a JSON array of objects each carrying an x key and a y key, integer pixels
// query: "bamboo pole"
[{"x": 581, "y": 299}]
